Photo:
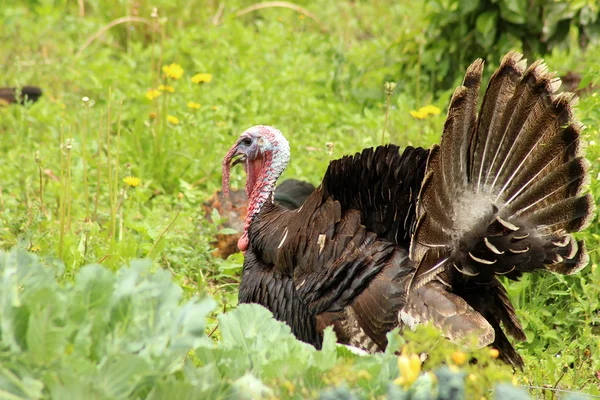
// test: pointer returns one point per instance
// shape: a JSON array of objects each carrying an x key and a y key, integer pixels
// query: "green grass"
[{"x": 317, "y": 82}]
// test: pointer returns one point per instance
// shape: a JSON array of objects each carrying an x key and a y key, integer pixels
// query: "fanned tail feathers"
[
  {"x": 501, "y": 195},
  {"x": 504, "y": 189}
]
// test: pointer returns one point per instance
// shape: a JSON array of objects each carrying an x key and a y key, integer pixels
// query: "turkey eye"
[{"x": 247, "y": 142}]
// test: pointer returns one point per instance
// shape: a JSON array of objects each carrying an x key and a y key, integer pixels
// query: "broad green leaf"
[
  {"x": 46, "y": 339},
  {"x": 467, "y": 6},
  {"x": 514, "y": 11},
  {"x": 13, "y": 387},
  {"x": 486, "y": 28}
]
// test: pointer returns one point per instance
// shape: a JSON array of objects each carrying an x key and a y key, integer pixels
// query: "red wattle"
[{"x": 243, "y": 242}]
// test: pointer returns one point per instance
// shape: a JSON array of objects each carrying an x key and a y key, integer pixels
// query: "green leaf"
[
  {"x": 514, "y": 11},
  {"x": 467, "y": 6},
  {"x": 13, "y": 386},
  {"x": 119, "y": 373},
  {"x": 46, "y": 340},
  {"x": 486, "y": 28},
  {"x": 249, "y": 387},
  {"x": 554, "y": 13},
  {"x": 327, "y": 357}
]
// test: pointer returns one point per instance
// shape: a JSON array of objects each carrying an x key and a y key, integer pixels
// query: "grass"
[{"x": 64, "y": 159}]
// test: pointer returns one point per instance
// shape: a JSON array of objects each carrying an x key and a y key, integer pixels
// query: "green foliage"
[
  {"x": 461, "y": 31},
  {"x": 106, "y": 335},
  {"x": 126, "y": 334}
]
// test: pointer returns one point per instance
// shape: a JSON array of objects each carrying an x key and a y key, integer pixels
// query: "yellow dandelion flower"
[
  {"x": 132, "y": 181},
  {"x": 410, "y": 368},
  {"x": 173, "y": 71},
  {"x": 494, "y": 353},
  {"x": 290, "y": 387},
  {"x": 364, "y": 374},
  {"x": 418, "y": 114},
  {"x": 425, "y": 111},
  {"x": 459, "y": 358},
  {"x": 430, "y": 110},
  {"x": 214, "y": 108},
  {"x": 166, "y": 88},
  {"x": 151, "y": 94},
  {"x": 301, "y": 16},
  {"x": 193, "y": 106},
  {"x": 152, "y": 115},
  {"x": 173, "y": 119},
  {"x": 202, "y": 78}
]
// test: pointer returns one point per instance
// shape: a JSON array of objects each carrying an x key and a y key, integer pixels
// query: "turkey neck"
[{"x": 262, "y": 174}]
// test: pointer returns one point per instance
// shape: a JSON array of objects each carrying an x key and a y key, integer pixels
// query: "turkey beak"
[{"x": 239, "y": 158}]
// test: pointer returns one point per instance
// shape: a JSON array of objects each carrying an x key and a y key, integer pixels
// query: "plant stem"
[
  {"x": 115, "y": 193},
  {"x": 109, "y": 169},
  {"x": 61, "y": 212},
  {"x": 387, "y": 110},
  {"x": 84, "y": 155},
  {"x": 68, "y": 185},
  {"x": 98, "y": 168},
  {"x": 163, "y": 233}
]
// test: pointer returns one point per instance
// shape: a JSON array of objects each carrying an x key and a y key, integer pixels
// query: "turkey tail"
[
  {"x": 501, "y": 195},
  {"x": 504, "y": 190}
]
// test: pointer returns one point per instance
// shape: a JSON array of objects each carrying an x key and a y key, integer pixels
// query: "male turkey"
[
  {"x": 395, "y": 238},
  {"x": 290, "y": 194}
]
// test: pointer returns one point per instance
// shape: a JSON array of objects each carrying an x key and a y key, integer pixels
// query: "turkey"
[
  {"x": 10, "y": 95},
  {"x": 290, "y": 194},
  {"x": 399, "y": 238}
]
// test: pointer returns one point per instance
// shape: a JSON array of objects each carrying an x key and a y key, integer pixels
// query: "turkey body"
[
  {"x": 361, "y": 235},
  {"x": 399, "y": 238}
]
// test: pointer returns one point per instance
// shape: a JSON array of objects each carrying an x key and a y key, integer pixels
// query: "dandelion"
[
  {"x": 364, "y": 374},
  {"x": 193, "y": 106},
  {"x": 410, "y": 368},
  {"x": 132, "y": 181},
  {"x": 301, "y": 16},
  {"x": 494, "y": 353},
  {"x": 425, "y": 111},
  {"x": 459, "y": 357},
  {"x": 290, "y": 387},
  {"x": 330, "y": 147},
  {"x": 173, "y": 71},
  {"x": 418, "y": 114},
  {"x": 152, "y": 115},
  {"x": 166, "y": 88},
  {"x": 215, "y": 108},
  {"x": 173, "y": 119},
  {"x": 389, "y": 88},
  {"x": 151, "y": 94},
  {"x": 87, "y": 102},
  {"x": 431, "y": 110},
  {"x": 202, "y": 78}
]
